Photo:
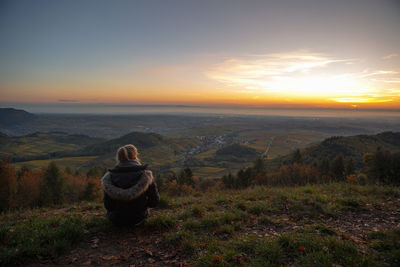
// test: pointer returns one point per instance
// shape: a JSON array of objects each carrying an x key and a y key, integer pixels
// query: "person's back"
[{"x": 129, "y": 189}]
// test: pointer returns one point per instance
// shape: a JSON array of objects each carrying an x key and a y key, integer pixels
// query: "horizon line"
[{"x": 240, "y": 106}]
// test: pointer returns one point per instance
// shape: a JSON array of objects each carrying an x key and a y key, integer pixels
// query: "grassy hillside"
[{"x": 324, "y": 225}]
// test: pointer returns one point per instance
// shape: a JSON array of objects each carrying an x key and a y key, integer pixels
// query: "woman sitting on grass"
[{"x": 129, "y": 189}]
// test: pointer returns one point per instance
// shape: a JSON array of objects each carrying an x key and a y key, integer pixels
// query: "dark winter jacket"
[{"x": 129, "y": 190}]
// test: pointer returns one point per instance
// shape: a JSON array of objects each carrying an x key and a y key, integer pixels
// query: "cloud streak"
[
  {"x": 390, "y": 56},
  {"x": 303, "y": 74},
  {"x": 68, "y": 100}
]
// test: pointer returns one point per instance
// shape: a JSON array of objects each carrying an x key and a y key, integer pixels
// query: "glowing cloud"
[
  {"x": 390, "y": 56},
  {"x": 306, "y": 75}
]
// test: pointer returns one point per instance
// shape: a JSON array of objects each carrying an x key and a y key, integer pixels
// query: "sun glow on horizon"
[
  {"x": 306, "y": 76},
  {"x": 294, "y": 79},
  {"x": 360, "y": 100}
]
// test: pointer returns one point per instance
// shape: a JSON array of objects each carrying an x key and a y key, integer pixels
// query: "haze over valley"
[{"x": 170, "y": 142}]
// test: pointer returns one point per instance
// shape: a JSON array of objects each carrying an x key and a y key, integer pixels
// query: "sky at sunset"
[{"x": 340, "y": 54}]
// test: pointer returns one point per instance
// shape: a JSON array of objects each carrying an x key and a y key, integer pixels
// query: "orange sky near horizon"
[
  {"x": 249, "y": 53},
  {"x": 292, "y": 79},
  {"x": 209, "y": 100}
]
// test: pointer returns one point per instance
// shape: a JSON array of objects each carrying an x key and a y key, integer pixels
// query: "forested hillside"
[{"x": 349, "y": 147}]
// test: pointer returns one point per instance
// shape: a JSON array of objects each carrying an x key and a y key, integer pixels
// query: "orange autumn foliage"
[
  {"x": 175, "y": 189},
  {"x": 93, "y": 190},
  {"x": 28, "y": 189},
  {"x": 8, "y": 185},
  {"x": 76, "y": 185},
  {"x": 352, "y": 178}
]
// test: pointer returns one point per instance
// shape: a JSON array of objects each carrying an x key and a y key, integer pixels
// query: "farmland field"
[{"x": 72, "y": 162}]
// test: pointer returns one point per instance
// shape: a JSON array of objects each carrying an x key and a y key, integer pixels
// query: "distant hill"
[
  {"x": 41, "y": 145},
  {"x": 158, "y": 151},
  {"x": 61, "y": 137},
  {"x": 236, "y": 153},
  {"x": 105, "y": 148},
  {"x": 11, "y": 116},
  {"x": 139, "y": 139},
  {"x": 349, "y": 146}
]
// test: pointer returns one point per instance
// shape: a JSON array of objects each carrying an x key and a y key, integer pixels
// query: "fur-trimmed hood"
[{"x": 133, "y": 192}]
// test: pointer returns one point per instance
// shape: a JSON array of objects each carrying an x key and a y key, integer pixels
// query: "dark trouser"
[{"x": 125, "y": 220}]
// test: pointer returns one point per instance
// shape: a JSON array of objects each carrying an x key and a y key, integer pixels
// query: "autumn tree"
[
  {"x": 245, "y": 177},
  {"x": 337, "y": 168},
  {"x": 261, "y": 179},
  {"x": 297, "y": 157},
  {"x": 68, "y": 170},
  {"x": 91, "y": 192},
  {"x": 28, "y": 191},
  {"x": 229, "y": 181},
  {"x": 75, "y": 186},
  {"x": 349, "y": 167},
  {"x": 206, "y": 184},
  {"x": 94, "y": 172},
  {"x": 293, "y": 174},
  {"x": 171, "y": 176},
  {"x": 185, "y": 177},
  {"x": 22, "y": 170},
  {"x": 323, "y": 166},
  {"x": 54, "y": 186},
  {"x": 259, "y": 166},
  {"x": 296, "y": 174},
  {"x": 8, "y": 184},
  {"x": 382, "y": 166}
]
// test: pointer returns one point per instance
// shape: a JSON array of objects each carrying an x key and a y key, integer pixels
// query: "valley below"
[{"x": 177, "y": 141}]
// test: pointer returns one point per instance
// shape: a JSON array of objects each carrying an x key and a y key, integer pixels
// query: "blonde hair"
[{"x": 127, "y": 153}]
